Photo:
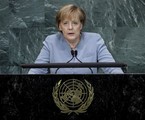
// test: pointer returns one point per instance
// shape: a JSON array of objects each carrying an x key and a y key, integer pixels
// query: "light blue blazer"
[{"x": 90, "y": 49}]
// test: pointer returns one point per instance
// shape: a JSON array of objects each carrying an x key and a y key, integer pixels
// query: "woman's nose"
[{"x": 70, "y": 26}]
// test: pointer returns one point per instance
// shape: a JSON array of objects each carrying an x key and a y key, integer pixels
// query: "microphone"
[{"x": 75, "y": 53}]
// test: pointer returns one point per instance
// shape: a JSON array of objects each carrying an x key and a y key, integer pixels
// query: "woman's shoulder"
[
  {"x": 52, "y": 38},
  {"x": 91, "y": 35}
]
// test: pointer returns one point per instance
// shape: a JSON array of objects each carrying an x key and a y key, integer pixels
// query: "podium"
[
  {"x": 97, "y": 65},
  {"x": 31, "y": 97},
  {"x": 72, "y": 97}
]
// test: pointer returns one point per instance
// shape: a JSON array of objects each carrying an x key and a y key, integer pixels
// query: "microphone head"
[
  {"x": 76, "y": 53},
  {"x": 72, "y": 53}
]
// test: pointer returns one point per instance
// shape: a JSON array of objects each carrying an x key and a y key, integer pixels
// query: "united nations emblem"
[{"x": 73, "y": 95}]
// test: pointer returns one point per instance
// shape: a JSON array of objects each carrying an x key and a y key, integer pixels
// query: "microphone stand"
[
  {"x": 76, "y": 65},
  {"x": 75, "y": 54}
]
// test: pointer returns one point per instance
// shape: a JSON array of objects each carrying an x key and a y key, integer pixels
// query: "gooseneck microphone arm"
[{"x": 75, "y": 53}]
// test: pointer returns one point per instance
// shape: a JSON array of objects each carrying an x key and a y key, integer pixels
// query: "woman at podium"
[{"x": 71, "y": 45}]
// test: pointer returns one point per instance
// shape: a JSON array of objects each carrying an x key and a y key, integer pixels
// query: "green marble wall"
[{"x": 24, "y": 24}]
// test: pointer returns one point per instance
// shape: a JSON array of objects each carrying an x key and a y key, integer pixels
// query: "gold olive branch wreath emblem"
[{"x": 63, "y": 107}]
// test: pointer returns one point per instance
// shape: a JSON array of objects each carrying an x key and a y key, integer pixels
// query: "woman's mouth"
[{"x": 70, "y": 33}]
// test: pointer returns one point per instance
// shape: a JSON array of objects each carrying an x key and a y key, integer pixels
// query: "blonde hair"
[{"x": 70, "y": 11}]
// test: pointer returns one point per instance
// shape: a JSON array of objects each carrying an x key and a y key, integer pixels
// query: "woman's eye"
[
  {"x": 75, "y": 23},
  {"x": 64, "y": 23}
]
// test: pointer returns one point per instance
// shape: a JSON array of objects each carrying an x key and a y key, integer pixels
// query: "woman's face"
[{"x": 71, "y": 29}]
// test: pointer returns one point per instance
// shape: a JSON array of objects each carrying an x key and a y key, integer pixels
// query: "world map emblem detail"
[{"x": 73, "y": 95}]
